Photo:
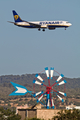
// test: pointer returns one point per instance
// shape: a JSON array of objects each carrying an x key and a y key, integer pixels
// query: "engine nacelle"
[{"x": 51, "y": 28}]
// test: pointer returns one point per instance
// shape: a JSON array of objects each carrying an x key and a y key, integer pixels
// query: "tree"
[
  {"x": 34, "y": 119},
  {"x": 8, "y": 114},
  {"x": 14, "y": 117},
  {"x": 68, "y": 115}
]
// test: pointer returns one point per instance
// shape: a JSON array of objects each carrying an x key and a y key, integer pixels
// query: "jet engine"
[{"x": 51, "y": 28}]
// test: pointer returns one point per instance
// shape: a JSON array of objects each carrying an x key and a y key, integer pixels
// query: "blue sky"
[{"x": 29, "y": 50}]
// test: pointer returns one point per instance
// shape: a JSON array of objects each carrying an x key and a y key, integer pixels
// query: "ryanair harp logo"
[{"x": 16, "y": 17}]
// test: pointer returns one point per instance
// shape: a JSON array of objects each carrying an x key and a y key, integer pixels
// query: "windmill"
[{"x": 48, "y": 87}]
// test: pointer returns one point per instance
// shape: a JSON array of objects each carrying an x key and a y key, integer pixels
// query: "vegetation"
[
  {"x": 8, "y": 114},
  {"x": 68, "y": 115},
  {"x": 34, "y": 119},
  {"x": 26, "y": 80}
]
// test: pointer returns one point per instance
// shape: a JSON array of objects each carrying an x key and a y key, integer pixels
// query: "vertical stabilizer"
[{"x": 16, "y": 17}]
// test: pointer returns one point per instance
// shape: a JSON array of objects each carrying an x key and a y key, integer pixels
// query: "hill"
[
  {"x": 27, "y": 81},
  {"x": 72, "y": 89}
]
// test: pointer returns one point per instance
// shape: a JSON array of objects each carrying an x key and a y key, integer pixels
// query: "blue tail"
[{"x": 16, "y": 17}]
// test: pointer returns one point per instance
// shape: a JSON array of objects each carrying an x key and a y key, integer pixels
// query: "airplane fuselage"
[{"x": 44, "y": 24}]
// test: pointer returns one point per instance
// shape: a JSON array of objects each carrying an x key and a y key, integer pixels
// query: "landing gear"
[
  {"x": 43, "y": 30},
  {"x": 39, "y": 29},
  {"x": 65, "y": 28}
]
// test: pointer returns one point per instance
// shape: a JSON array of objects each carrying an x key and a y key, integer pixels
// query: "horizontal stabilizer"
[{"x": 11, "y": 22}]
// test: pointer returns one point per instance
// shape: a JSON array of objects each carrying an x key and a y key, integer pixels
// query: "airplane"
[{"x": 51, "y": 25}]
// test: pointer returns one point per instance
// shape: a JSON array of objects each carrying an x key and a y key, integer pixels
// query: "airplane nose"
[{"x": 70, "y": 24}]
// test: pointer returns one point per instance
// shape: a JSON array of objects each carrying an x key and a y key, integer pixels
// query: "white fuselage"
[{"x": 44, "y": 24}]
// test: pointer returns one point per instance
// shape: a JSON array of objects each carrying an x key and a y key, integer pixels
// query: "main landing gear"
[
  {"x": 43, "y": 30},
  {"x": 40, "y": 29}
]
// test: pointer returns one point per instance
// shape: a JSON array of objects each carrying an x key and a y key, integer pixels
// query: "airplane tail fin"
[{"x": 16, "y": 17}]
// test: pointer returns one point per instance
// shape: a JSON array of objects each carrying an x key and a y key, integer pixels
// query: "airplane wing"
[
  {"x": 33, "y": 24},
  {"x": 36, "y": 25}
]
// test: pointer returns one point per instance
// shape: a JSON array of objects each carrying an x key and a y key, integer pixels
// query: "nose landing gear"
[{"x": 65, "y": 28}]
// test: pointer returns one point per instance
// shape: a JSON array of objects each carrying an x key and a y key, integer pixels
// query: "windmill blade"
[
  {"x": 60, "y": 98},
  {"x": 47, "y": 104},
  {"x": 20, "y": 90},
  {"x": 62, "y": 93},
  {"x": 38, "y": 76},
  {"x": 60, "y": 77},
  {"x": 61, "y": 83},
  {"x": 38, "y": 93},
  {"x": 52, "y": 103},
  {"x": 48, "y": 97},
  {"x": 47, "y": 72},
  {"x": 39, "y": 98},
  {"x": 51, "y": 72},
  {"x": 36, "y": 82}
]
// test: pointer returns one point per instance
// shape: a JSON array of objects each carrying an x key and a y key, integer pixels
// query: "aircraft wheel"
[
  {"x": 39, "y": 29},
  {"x": 43, "y": 30}
]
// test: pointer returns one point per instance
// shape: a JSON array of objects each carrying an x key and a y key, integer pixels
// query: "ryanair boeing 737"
[{"x": 51, "y": 25}]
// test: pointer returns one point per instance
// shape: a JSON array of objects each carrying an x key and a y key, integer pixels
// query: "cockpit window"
[{"x": 67, "y": 22}]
